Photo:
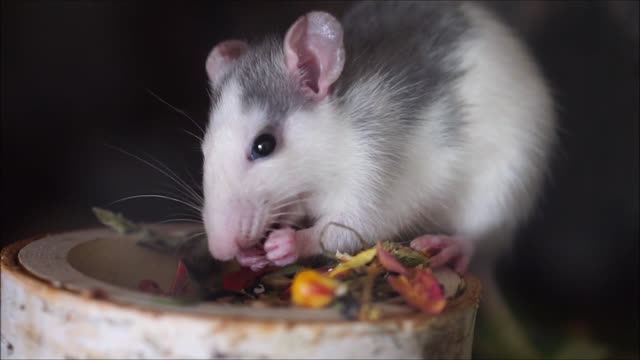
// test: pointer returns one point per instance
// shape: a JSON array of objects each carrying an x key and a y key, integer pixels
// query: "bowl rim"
[{"x": 10, "y": 265}]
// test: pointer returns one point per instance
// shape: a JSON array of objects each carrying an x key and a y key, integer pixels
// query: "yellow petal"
[
  {"x": 360, "y": 260},
  {"x": 312, "y": 289},
  {"x": 343, "y": 256}
]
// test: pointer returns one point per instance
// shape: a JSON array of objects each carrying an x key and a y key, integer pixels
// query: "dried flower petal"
[
  {"x": 180, "y": 282},
  {"x": 406, "y": 255},
  {"x": 343, "y": 256},
  {"x": 280, "y": 279},
  {"x": 390, "y": 262},
  {"x": 150, "y": 287},
  {"x": 358, "y": 296},
  {"x": 179, "y": 286},
  {"x": 421, "y": 290},
  {"x": 277, "y": 281},
  {"x": 360, "y": 260},
  {"x": 369, "y": 312},
  {"x": 314, "y": 290},
  {"x": 241, "y": 279},
  {"x": 286, "y": 294}
]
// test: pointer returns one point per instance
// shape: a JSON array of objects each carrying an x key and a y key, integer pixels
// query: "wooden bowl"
[{"x": 73, "y": 295}]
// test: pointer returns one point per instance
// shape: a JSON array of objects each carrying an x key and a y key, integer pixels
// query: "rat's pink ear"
[
  {"x": 222, "y": 56},
  {"x": 314, "y": 51}
]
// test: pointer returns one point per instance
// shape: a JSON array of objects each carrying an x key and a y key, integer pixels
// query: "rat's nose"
[
  {"x": 242, "y": 217},
  {"x": 228, "y": 228}
]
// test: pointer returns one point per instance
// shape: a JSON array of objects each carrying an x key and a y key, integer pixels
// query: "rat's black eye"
[{"x": 263, "y": 145}]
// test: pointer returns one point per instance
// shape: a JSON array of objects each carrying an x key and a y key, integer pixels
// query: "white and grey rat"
[
  {"x": 406, "y": 120},
  {"x": 422, "y": 121}
]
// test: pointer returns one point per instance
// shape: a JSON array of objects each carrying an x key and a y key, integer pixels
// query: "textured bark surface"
[{"x": 69, "y": 318}]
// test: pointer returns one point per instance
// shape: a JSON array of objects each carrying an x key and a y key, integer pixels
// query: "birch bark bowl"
[{"x": 73, "y": 295}]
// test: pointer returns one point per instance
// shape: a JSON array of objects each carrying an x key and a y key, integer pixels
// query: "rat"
[{"x": 425, "y": 122}]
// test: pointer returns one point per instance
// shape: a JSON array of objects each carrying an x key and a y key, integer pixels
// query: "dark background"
[{"x": 75, "y": 76}]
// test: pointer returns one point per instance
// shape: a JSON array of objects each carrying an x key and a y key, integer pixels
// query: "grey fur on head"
[
  {"x": 265, "y": 82},
  {"x": 394, "y": 66}
]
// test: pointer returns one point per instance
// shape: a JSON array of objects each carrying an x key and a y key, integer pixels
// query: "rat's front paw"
[
  {"x": 281, "y": 247},
  {"x": 254, "y": 258},
  {"x": 449, "y": 250}
]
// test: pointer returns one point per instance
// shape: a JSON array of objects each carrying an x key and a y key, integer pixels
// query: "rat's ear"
[
  {"x": 222, "y": 55},
  {"x": 314, "y": 51}
]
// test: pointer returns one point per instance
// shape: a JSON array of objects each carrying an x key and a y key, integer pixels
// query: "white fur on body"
[{"x": 479, "y": 190}]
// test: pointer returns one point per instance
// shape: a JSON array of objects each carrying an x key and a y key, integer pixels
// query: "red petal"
[
  {"x": 286, "y": 294},
  {"x": 241, "y": 279},
  {"x": 150, "y": 287},
  {"x": 180, "y": 281}
]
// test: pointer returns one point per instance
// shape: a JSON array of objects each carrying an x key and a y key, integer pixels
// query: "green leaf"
[{"x": 116, "y": 221}]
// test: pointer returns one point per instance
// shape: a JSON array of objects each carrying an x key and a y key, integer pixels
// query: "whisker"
[
  {"x": 287, "y": 196},
  {"x": 178, "y": 220},
  {"x": 195, "y": 235},
  {"x": 189, "y": 211},
  {"x": 155, "y": 196},
  {"x": 271, "y": 228},
  {"x": 177, "y": 110},
  {"x": 288, "y": 203},
  {"x": 273, "y": 216},
  {"x": 285, "y": 222},
  {"x": 197, "y": 186},
  {"x": 177, "y": 178},
  {"x": 192, "y": 214},
  {"x": 190, "y": 219},
  {"x": 174, "y": 177},
  {"x": 182, "y": 196},
  {"x": 187, "y": 215},
  {"x": 194, "y": 135}
]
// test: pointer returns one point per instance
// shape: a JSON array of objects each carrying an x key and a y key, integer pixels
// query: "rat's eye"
[{"x": 263, "y": 145}]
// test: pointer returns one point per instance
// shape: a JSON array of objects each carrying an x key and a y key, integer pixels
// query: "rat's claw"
[
  {"x": 259, "y": 266},
  {"x": 448, "y": 249},
  {"x": 253, "y": 258},
  {"x": 281, "y": 247}
]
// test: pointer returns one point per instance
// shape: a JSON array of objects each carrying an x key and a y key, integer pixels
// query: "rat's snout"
[{"x": 230, "y": 228}]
